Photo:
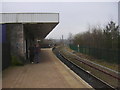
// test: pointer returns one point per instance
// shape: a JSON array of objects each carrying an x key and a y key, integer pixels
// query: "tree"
[
  {"x": 96, "y": 37},
  {"x": 111, "y": 33},
  {"x": 70, "y": 38}
]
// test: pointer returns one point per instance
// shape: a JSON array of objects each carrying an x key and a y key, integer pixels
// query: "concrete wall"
[
  {"x": 16, "y": 39},
  {"x": 12, "y": 43},
  {"x": 0, "y": 48},
  {"x": 6, "y": 58}
]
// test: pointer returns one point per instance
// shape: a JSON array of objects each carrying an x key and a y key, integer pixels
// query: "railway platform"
[{"x": 48, "y": 73}]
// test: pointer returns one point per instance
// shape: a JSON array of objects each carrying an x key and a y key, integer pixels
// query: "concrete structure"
[{"x": 19, "y": 30}]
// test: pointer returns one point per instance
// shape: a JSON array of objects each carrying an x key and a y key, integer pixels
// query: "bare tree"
[{"x": 70, "y": 38}]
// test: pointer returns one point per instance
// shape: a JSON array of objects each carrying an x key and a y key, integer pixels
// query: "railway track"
[
  {"x": 103, "y": 69},
  {"x": 94, "y": 81}
]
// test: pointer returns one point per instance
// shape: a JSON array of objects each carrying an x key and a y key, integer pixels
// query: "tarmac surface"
[{"x": 50, "y": 72}]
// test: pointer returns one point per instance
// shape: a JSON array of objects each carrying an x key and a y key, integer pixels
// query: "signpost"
[{"x": 78, "y": 47}]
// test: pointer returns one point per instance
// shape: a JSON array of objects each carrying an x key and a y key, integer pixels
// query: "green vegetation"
[
  {"x": 103, "y": 44},
  {"x": 16, "y": 61}
]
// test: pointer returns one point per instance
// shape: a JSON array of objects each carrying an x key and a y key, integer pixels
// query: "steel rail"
[
  {"x": 79, "y": 59},
  {"x": 94, "y": 81}
]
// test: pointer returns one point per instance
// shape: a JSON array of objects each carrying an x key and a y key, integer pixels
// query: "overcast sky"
[{"x": 75, "y": 17}]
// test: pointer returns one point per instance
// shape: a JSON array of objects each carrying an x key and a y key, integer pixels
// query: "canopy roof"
[{"x": 35, "y": 24}]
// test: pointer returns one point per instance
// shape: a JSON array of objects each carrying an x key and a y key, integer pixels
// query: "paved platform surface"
[{"x": 49, "y": 73}]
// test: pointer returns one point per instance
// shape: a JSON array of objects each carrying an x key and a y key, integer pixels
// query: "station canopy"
[{"x": 38, "y": 25}]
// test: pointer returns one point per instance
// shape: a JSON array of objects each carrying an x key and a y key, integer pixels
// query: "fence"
[{"x": 108, "y": 55}]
